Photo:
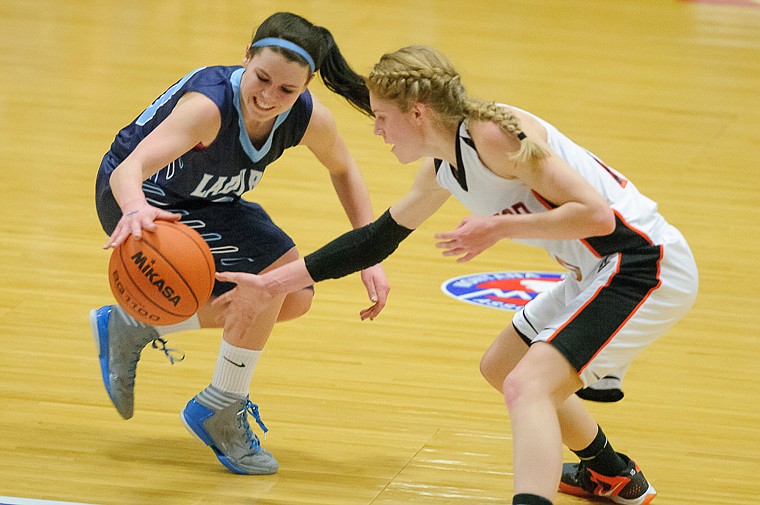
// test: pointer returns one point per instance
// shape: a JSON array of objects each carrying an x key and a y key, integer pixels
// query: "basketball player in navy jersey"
[
  {"x": 631, "y": 275},
  {"x": 189, "y": 157}
]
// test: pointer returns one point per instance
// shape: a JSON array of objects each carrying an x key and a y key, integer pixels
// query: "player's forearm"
[
  {"x": 287, "y": 278},
  {"x": 126, "y": 185},
  {"x": 354, "y": 197},
  {"x": 353, "y": 251}
]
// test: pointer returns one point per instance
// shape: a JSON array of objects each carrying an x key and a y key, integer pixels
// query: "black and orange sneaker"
[{"x": 628, "y": 488}]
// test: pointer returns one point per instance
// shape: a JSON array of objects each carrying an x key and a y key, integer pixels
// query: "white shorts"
[{"x": 601, "y": 323}]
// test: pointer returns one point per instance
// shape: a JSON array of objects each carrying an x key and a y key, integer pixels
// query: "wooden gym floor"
[{"x": 392, "y": 411}]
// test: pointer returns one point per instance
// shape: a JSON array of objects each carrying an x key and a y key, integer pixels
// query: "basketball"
[{"x": 164, "y": 277}]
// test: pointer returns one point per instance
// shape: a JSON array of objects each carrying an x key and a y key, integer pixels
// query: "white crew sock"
[
  {"x": 189, "y": 324},
  {"x": 234, "y": 369}
]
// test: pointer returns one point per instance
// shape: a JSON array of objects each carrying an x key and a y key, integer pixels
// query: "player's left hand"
[
  {"x": 474, "y": 235},
  {"x": 376, "y": 282}
]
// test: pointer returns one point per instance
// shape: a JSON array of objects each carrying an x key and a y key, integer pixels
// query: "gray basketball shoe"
[
  {"x": 227, "y": 432},
  {"x": 120, "y": 339}
]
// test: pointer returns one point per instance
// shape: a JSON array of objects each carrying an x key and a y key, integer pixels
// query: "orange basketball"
[{"x": 164, "y": 277}]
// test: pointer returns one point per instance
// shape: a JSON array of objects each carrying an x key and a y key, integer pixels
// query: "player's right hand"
[{"x": 136, "y": 217}]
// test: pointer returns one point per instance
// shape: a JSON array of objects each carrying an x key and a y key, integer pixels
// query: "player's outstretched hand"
[
  {"x": 240, "y": 306},
  {"x": 474, "y": 235},
  {"x": 376, "y": 282}
]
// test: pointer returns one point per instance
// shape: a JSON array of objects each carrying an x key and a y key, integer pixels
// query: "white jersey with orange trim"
[
  {"x": 629, "y": 287},
  {"x": 638, "y": 223}
]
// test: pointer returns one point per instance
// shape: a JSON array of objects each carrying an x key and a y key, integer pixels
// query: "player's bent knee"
[
  {"x": 296, "y": 304},
  {"x": 491, "y": 372},
  {"x": 518, "y": 389},
  {"x": 511, "y": 389}
]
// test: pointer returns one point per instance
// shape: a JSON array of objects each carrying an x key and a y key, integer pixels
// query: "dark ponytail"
[
  {"x": 340, "y": 78},
  {"x": 319, "y": 43}
]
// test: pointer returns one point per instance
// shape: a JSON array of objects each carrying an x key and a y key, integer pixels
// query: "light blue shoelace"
[{"x": 253, "y": 409}]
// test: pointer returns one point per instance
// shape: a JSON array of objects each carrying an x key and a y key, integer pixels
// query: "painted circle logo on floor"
[{"x": 500, "y": 290}]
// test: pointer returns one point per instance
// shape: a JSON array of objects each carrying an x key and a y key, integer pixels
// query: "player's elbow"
[{"x": 602, "y": 220}]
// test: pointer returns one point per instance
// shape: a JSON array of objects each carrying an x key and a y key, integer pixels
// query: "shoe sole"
[
  {"x": 644, "y": 499},
  {"x": 573, "y": 490},
  {"x": 101, "y": 342},
  {"x": 201, "y": 434},
  {"x": 198, "y": 431}
]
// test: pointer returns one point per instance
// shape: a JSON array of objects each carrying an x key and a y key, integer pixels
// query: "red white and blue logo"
[{"x": 500, "y": 290}]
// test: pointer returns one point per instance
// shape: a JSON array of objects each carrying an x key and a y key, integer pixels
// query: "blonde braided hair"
[{"x": 421, "y": 74}]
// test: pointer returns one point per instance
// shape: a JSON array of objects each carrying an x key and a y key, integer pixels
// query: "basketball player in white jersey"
[{"x": 630, "y": 277}]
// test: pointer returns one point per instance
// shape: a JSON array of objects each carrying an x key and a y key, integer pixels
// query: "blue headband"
[{"x": 286, "y": 44}]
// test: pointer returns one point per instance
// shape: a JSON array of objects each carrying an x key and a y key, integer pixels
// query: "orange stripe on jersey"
[
  {"x": 591, "y": 328},
  {"x": 543, "y": 201},
  {"x": 614, "y": 173},
  {"x": 625, "y": 237},
  {"x": 621, "y": 325},
  {"x": 583, "y": 307}
]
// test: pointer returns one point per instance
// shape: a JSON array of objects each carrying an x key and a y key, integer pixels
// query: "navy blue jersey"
[{"x": 227, "y": 168}]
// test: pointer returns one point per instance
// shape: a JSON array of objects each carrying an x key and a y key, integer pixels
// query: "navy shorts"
[{"x": 241, "y": 235}]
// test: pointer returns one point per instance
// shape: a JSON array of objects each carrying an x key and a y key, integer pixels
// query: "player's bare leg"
[{"x": 218, "y": 415}]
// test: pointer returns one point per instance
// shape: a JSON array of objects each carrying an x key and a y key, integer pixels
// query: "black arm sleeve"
[{"x": 356, "y": 250}]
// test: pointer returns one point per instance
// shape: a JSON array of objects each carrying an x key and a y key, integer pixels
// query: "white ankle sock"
[
  {"x": 234, "y": 369},
  {"x": 190, "y": 324}
]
